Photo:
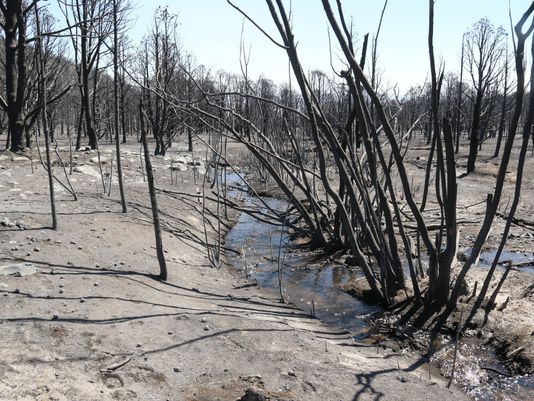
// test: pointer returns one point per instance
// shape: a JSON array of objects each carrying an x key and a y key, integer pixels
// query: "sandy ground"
[{"x": 92, "y": 324}]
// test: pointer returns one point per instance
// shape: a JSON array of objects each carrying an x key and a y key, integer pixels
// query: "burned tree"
[
  {"x": 484, "y": 51},
  {"x": 90, "y": 23},
  {"x": 367, "y": 211},
  {"x": 159, "y": 65},
  {"x": 14, "y": 26}
]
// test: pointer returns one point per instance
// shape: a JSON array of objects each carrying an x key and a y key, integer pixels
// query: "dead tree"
[
  {"x": 14, "y": 25},
  {"x": 59, "y": 78},
  {"x": 485, "y": 47},
  {"x": 159, "y": 66},
  {"x": 116, "y": 101},
  {"x": 505, "y": 107},
  {"x": 90, "y": 23},
  {"x": 44, "y": 115},
  {"x": 372, "y": 209},
  {"x": 153, "y": 197}
]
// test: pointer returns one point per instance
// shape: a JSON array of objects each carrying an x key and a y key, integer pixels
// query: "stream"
[
  {"x": 311, "y": 289},
  {"x": 315, "y": 287}
]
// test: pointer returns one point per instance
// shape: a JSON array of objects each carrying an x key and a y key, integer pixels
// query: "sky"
[{"x": 212, "y": 31}]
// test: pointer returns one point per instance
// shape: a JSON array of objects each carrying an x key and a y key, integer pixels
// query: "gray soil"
[{"x": 92, "y": 324}]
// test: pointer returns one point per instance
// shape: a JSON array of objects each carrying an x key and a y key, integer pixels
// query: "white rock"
[
  {"x": 103, "y": 160},
  {"x": 178, "y": 167},
  {"x": 18, "y": 270},
  {"x": 86, "y": 170}
]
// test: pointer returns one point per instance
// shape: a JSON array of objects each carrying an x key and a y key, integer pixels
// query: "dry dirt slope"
[{"x": 92, "y": 325}]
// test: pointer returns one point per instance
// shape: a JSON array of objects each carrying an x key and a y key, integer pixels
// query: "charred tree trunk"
[
  {"x": 475, "y": 133},
  {"x": 153, "y": 200},
  {"x": 116, "y": 108},
  {"x": 85, "y": 71},
  {"x": 15, "y": 70},
  {"x": 42, "y": 95},
  {"x": 502, "y": 121}
]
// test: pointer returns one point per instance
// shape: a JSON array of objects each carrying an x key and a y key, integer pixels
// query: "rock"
[
  {"x": 253, "y": 394},
  {"x": 178, "y": 167},
  {"x": 37, "y": 249},
  {"x": 179, "y": 160},
  {"x": 86, "y": 170},
  {"x": 18, "y": 270},
  {"x": 177, "y": 370},
  {"x": 103, "y": 160},
  {"x": 5, "y": 222},
  {"x": 206, "y": 327}
]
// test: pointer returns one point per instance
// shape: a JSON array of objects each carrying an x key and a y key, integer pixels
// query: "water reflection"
[{"x": 304, "y": 280}]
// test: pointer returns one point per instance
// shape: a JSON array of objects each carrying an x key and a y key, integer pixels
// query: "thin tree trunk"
[
  {"x": 42, "y": 91},
  {"x": 502, "y": 121},
  {"x": 116, "y": 108},
  {"x": 153, "y": 200},
  {"x": 459, "y": 104}
]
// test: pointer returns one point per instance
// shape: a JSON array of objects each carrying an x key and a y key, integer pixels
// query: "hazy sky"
[{"x": 211, "y": 30}]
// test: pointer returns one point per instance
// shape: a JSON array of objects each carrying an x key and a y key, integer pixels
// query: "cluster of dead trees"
[
  {"x": 79, "y": 91},
  {"x": 334, "y": 145},
  {"x": 336, "y": 149},
  {"x": 85, "y": 54}
]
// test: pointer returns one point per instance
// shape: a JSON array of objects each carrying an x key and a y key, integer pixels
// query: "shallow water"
[
  {"x": 523, "y": 261},
  {"x": 481, "y": 375},
  {"x": 310, "y": 289}
]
